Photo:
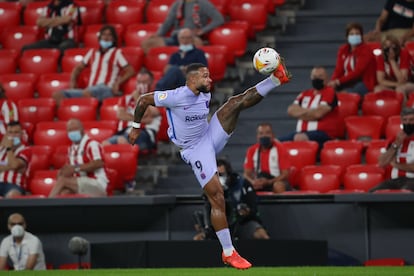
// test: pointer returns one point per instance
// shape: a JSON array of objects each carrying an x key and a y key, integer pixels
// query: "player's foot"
[
  {"x": 236, "y": 261},
  {"x": 282, "y": 73}
]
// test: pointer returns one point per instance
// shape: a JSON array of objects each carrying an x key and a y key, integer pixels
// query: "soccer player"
[{"x": 200, "y": 140}]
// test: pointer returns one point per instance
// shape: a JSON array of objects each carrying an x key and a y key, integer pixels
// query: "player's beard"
[{"x": 203, "y": 89}]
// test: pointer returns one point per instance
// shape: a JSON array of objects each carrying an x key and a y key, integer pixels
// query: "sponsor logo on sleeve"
[{"x": 162, "y": 96}]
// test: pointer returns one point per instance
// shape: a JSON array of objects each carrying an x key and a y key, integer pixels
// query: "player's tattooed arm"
[{"x": 142, "y": 104}]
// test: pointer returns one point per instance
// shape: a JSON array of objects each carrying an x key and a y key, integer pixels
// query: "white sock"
[
  {"x": 225, "y": 240},
  {"x": 266, "y": 85}
]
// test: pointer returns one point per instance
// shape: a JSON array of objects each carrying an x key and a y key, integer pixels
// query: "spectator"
[
  {"x": 84, "y": 171},
  {"x": 15, "y": 158},
  {"x": 60, "y": 19},
  {"x": 393, "y": 68},
  {"x": 316, "y": 111},
  {"x": 199, "y": 16},
  {"x": 125, "y": 113},
  {"x": 22, "y": 248},
  {"x": 108, "y": 70},
  {"x": 8, "y": 111},
  {"x": 397, "y": 19},
  {"x": 241, "y": 208},
  {"x": 266, "y": 165},
  {"x": 355, "y": 64},
  {"x": 174, "y": 72},
  {"x": 399, "y": 156}
]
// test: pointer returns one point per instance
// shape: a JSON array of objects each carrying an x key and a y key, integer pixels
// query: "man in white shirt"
[{"x": 22, "y": 248}]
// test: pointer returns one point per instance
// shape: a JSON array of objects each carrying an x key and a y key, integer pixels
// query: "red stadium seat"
[
  {"x": 32, "y": 12},
  {"x": 80, "y": 108},
  {"x": 8, "y": 61},
  {"x": 375, "y": 47},
  {"x": 125, "y": 12},
  {"x": 348, "y": 103},
  {"x": 374, "y": 149},
  {"x": 157, "y": 10},
  {"x": 341, "y": 153},
  {"x": 385, "y": 104},
  {"x": 252, "y": 11},
  {"x": 18, "y": 86},
  {"x": 36, "y": 110},
  {"x": 59, "y": 156},
  {"x": 157, "y": 58},
  {"x": 385, "y": 262},
  {"x": 222, "y": 6},
  {"x": 363, "y": 177},
  {"x": 28, "y": 130},
  {"x": 231, "y": 35},
  {"x": 364, "y": 128},
  {"x": 72, "y": 57},
  {"x": 48, "y": 84},
  {"x": 136, "y": 33},
  {"x": 10, "y": 14},
  {"x": 162, "y": 135},
  {"x": 43, "y": 182},
  {"x": 39, "y": 61},
  {"x": 90, "y": 37},
  {"x": 124, "y": 159},
  {"x": 15, "y": 37},
  {"x": 301, "y": 153},
  {"x": 91, "y": 13},
  {"x": 109, "y": 109},
  {"x": 323, "y": 178},
  {"x": 41, "y": 156},
  {"x": 134, "y": 56},
  {"x": 216, "y": 59},
  {"x": 409, "y": 45},
  {"x": 51, "y": 133},
  {"x": 100, "y": 130},
  {"x": 393, "y": 127}
]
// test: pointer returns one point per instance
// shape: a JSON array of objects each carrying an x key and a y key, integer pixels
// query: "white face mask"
[
  {"x": 186, "y": 47},
  {"x": 17, "y": 231}
]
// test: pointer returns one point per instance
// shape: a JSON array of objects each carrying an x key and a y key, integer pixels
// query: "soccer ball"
[{"x": 266, "y": 60}]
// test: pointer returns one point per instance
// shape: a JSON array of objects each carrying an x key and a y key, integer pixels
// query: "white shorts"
[
  {"x": 202, "y": 156},
  {"x": 90, "y": 186}
]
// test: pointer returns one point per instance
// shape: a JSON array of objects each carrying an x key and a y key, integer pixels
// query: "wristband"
[
  {"x": 136, "y": 125},
  {"x": 77, "y": 169}
]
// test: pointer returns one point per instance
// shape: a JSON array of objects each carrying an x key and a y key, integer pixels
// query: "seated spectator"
[
  {"x": 174, "y": 72},
  {"x": 266, "y": 165},
  {"x": 397, "y": 19},
  {"x": 8, "y": 111},
  {"x": 399, "y": 156},
  {"x": 316, "y": 110},
  {"x": 125, "y": 113},
  {"x": 199, "y": 16},
  {"x": 108, "y": 70},
  {"x": 393, "y": 68},
  {"x": 15, "y": 158},
  {"x": 60, "y": 19},
  {"x": 355, "y": 64},
  {"x": 22, "y": 248},
  {"x": 241, "y": 208},
  {"x": 84, "y": 171}
]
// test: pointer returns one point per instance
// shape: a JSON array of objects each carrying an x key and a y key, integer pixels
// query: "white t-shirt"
[{"x": 20, "y": 253}]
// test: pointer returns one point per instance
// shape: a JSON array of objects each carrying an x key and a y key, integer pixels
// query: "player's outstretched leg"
[{"x": 236, "y": 261}]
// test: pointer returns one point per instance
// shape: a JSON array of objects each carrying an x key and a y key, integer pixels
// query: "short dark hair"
[
  {"x": 407, "y": 111},
  {"x": 14, "y": 123},
  {"x": 354, "y": 25},
  {"x": 194, "y": 67},
  {"x": 113, "y": 33},
  {"x": 226, "y": 164},
  {"x": 144, "y": 71}
]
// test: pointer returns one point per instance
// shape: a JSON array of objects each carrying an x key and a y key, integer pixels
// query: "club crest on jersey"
[{"x": 162, "y": 96}]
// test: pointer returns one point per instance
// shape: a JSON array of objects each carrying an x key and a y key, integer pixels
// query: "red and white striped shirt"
[
  {"x": 272, "y": 161},
  {"x": 105, "y": 67},
  {"x": 405, "y": 155},
  {"x": 86, "y": 151},
  {"x": 70, "y": 10},
  {"x": 128, "y": 103},
  {"x": 8, "y": 113},
  {"x": 11, "y": 176}
]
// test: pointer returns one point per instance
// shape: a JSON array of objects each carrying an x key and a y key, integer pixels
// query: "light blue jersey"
[{"x": 187, "y": 114}]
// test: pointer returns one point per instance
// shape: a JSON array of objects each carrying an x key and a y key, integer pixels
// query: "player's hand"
[{"x": 133, "y": 135}]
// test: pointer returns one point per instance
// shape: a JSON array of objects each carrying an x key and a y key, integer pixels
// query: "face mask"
[
  {"x": 408, "y": 128},
  {"x": 186, "y": 47},
  {"x": 265, "y": 141},
  {"x": 318, "y": 84},
  {"x": 75, "y": 136},
  {"x": 105, "y": 44},
  {"x": 354, "y": 39},
  {"x": 16, "y": 141},
  {"x": 17, "y": 231}
]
